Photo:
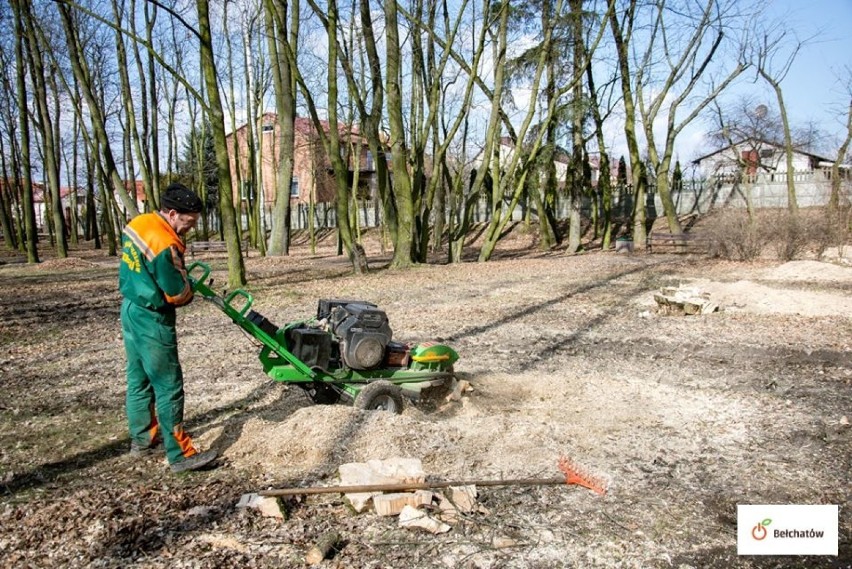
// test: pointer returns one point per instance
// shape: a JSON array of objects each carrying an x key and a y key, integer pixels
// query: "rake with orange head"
[{"x": 575, "y": 474}]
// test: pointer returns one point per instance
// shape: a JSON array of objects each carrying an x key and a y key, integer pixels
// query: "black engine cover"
[
  {"x": 326, "y": 305},
  {"x": 363, "y": 332}
]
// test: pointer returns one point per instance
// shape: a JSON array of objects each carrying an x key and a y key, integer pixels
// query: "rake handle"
[{"x": 399, "y": 487}]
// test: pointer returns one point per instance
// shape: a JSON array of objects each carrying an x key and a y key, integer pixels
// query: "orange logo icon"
[{"x": 758, "y": 532}]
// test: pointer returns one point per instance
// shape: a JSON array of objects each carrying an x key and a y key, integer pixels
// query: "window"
[
  {"x": 767, "y": 152},
  {"x": 369, "y": 161},
  {"x": 268, "y": 127},
  {"x": 294, "y": 187}
]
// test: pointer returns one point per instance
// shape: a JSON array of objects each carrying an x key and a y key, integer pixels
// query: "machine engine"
[{"x": 361, "y": 328}]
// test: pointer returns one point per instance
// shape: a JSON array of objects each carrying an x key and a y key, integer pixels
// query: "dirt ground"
[{"x": 684, "y": 416}]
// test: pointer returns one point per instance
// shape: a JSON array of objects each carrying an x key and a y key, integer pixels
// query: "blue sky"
[{"x": 813, "y": 89}]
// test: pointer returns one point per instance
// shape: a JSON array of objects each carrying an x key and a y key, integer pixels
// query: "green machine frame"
[{"x": 431, "y": 364}]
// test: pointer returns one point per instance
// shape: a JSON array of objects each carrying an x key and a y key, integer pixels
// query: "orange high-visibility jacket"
[{"x": 152, "y": 273}]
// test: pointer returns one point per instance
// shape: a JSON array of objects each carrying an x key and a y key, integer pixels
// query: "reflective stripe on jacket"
[{"x": 152, "y": 273}]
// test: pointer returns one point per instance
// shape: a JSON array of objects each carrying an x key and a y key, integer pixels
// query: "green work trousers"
[{"x": 154, "y": 381}]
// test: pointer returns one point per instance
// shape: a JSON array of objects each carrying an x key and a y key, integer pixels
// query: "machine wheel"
[{"x": 380, "y": 396}]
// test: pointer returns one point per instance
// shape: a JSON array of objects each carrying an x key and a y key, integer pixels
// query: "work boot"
[
  {"x": 194, "y": 462},
  {"x": 139, "y": 451}
]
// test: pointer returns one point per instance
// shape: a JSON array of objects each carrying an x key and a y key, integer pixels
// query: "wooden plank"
[{"x": 674, "y": 240}]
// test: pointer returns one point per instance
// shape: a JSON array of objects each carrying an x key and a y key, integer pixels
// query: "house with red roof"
[{"x": 312, "y": 173}]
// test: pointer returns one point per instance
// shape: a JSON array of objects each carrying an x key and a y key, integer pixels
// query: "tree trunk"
[
  {"x": 371, "y": 118},
  {"x": 236, "y": 268},
  {"x": 576, "y": 178},
  {"x": 83, "y": 76},
  {"x": 51, "y": 167},
  {"x": 153, "y": 125},
  {"x": 73, "y": 185},
  {"x": 604, "y": 178},
  {"x": 334, "y": 152},
  {"x": 131, "y": 131},
  {"x": 107, "y": 225},
  {"x": 26, "y": 165},
  {"x": 545, "y": 194},
  {"x": 90, "y": 222},
  {"x": 792, "y": 204},
  {"x": 285, "y": 103},
  {"x": 834, "y": 198},
  {"x": 621, "y": 43},
  {"x": 399, "y": 153},
  {"x": 237, "y": 180},
  {"x": 492, "y": 136},
  {"x": 331, "y": 139},
  {"x": 514, "y": 173},
  {"x": 5, "y": 202},
  {"x": 433, "y": 186}
]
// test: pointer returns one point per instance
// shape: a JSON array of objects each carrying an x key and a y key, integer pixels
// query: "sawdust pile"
[
  {"x": 809, "y": 271},
  {"x": 789, "y": 289},
  {"x": 547, "y": 417},
  {"x": 317, "y": 439}
]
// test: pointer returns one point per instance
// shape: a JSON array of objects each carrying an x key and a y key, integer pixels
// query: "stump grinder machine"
[{"x": 344, "y": 354}]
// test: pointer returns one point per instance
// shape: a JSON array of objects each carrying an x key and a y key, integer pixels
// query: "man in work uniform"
[{"x": 152, "y": 278}]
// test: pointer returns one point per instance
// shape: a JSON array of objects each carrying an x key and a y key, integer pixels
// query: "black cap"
[{"x": 180, "y": 198}]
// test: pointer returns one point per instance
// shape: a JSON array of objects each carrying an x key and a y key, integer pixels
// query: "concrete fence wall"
[
  {"x": 695, "y": 196},
  {"x": 813, "y": 189}
]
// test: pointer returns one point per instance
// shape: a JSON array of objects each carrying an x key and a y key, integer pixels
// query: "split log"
[
  {"x": 412, "y": 518},
  {"x": 392, "y": 504},
  {"x": 322, "y": 548}
]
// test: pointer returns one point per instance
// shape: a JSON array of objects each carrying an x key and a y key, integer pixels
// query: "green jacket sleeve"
[{"x": 169, "y": 273}]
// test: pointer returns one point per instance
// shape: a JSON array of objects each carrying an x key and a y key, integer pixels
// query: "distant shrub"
[
  {"x": 734, "y": 236},
  {"x": 810, "y": 233},
  {"x": 830, "y": 229},
  {"x": 787, "y": 233}
]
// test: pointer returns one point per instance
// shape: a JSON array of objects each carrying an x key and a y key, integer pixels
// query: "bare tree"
[
  {"x": 366, "y": 93},
  {"x": 282, "y": 37},
  {"x": 330, "y": 137},
  {"x": 599, "y": 113},
  {"x": 150, "y": 121},
  {"x": 9, "y": 148},
  {"x": 426, "y": 131},
  {"x": 744, "y": 132},
  {"x": 622, "y": 32},
  {"x": 773, "y": 63},
  {"x": 842, "y": 152},
  {"x": 402, "y": 190},
  {"x": 45, "y": 126},
  {"x": 26, "y": 166},
  {"x": 134, "y": 138},
  {"x": 230, "y": 230},
  {"x": 83, "y": 75},
  {"x": 671, "y": 74},
  {"x": 576, "y": 179},
  {"x": 231, "y": 101}
]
